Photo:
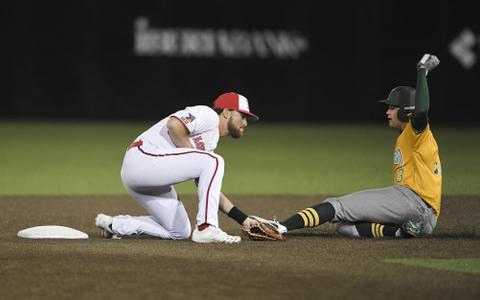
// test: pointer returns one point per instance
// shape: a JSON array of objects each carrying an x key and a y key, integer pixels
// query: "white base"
[{"x": 52, "y": 232}]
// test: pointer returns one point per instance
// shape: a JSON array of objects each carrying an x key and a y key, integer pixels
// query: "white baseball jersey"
[{"x": 201, "y": 122}]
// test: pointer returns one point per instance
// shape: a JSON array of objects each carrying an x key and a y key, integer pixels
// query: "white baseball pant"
[{"x": 149, "y": 173}]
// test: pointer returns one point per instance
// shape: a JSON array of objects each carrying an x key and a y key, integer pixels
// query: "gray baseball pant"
[{"x": 392, "y": 205}]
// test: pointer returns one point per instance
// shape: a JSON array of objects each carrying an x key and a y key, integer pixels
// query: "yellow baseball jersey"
[{"x": 416, "y": 165}]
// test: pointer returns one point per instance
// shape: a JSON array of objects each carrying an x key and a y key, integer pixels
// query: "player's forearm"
[
  {"x": 422, "y": 97},
  {"x": 178, "y": 134},
  {"x": 181, "y": 142},
  {"x": 227, "y": 207},
  {"x": 422, "y": 102}
]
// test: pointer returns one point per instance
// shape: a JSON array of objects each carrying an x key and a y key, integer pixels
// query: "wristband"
[{"x": 237, "y": 215}]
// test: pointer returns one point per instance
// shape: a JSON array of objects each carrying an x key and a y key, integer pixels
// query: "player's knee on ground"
[{"x": 183, "y": 233}]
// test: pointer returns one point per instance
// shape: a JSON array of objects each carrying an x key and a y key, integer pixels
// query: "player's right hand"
[
  {"x": 428, "y": 62},
  {"x": 248, "y": 223}
]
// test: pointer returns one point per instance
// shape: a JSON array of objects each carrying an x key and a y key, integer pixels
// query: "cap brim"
[
  {"x": 386, "y": 101},
  {"x": 250, "y": 116}
]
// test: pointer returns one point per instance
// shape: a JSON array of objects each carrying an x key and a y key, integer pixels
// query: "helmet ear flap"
[{"x": 402, "y": 115}]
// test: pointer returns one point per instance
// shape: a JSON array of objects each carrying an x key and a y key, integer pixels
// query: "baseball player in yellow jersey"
[{"x": 412, "y": 205}]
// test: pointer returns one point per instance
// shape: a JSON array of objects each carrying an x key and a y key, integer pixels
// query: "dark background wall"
[{"x": 294, "y": 60}]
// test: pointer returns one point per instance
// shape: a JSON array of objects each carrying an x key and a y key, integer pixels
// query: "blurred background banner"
[{"x": 294, "y": 60}]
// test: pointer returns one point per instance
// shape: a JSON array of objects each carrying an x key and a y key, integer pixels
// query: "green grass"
[
  {"x": 78, "y": 158},
  {"x": 467, "y": 265}
]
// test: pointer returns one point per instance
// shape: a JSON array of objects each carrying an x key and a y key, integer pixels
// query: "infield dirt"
[{"x": 310, "y": 264}]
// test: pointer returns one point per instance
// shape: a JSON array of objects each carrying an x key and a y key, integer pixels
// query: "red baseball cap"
[{"x": 234, "y": 101}]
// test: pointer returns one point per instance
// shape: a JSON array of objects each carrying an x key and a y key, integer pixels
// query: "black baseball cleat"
[{"x": 413, "y": 228}]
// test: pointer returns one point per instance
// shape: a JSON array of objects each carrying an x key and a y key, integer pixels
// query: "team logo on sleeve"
[
  {"x": 188, "y": 119},
  {"x": 398, "y": 157}
]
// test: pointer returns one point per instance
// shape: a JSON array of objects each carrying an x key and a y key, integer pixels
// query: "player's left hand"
[
  {"x": 261, "y": 230},
  {"x": 249, "y": 223},
  {"x": 428, "y": 62}
]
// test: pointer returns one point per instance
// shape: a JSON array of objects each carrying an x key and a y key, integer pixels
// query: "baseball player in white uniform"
[{"x": 176, "y": 149}]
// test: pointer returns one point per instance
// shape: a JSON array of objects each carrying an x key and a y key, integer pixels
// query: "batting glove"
[{"x": 428, "y": 62}]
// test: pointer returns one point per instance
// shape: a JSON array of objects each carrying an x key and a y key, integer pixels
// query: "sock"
[
  {"x": 376, "y": 230},
  {"x": 310, "y": 217},
  {"x": 203, "y": 226}
]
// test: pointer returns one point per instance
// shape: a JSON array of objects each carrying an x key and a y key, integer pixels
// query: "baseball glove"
[{"x": 263, "y": 231}]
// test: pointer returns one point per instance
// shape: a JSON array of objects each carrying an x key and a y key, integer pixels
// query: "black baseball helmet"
[{"x": 401, "y": 96}]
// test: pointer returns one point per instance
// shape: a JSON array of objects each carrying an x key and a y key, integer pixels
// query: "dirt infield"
[{"x": 311, "y": 264}]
